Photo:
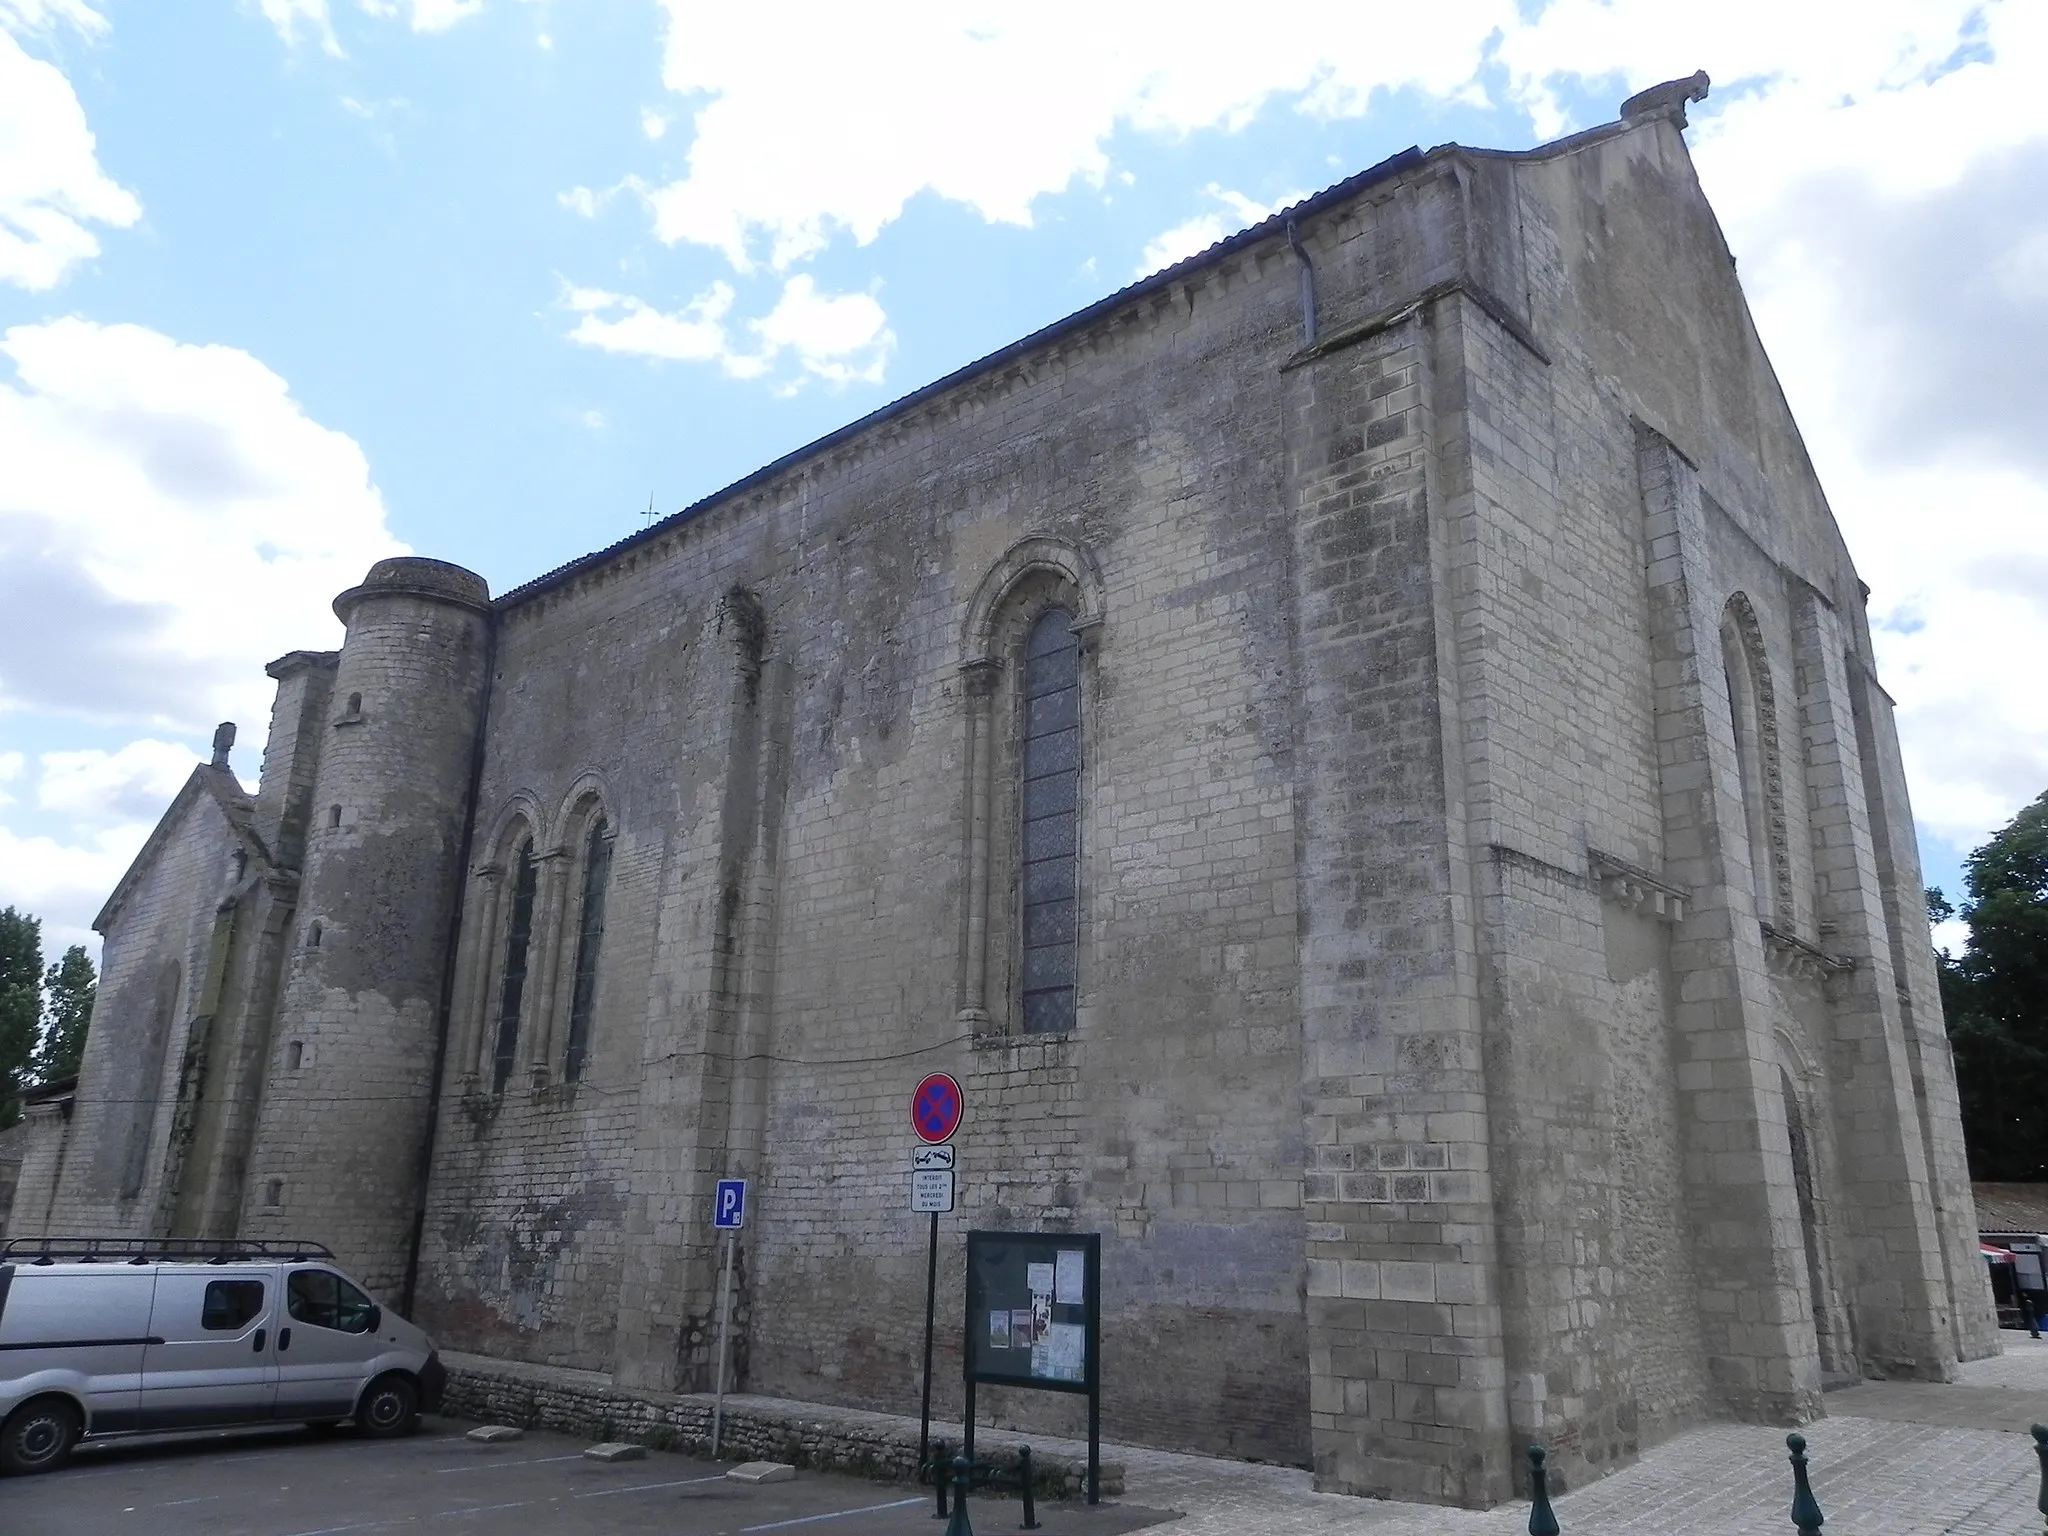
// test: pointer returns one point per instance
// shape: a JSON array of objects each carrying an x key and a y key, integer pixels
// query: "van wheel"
[
  {"x": 39, "y": 1436},
  {"x": 390, "y": 1407}
]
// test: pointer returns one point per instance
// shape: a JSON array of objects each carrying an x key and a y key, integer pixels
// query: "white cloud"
[
  {"x": 10, "y": 770},
  {"x": 427, "y": 15},
  {"x": 66, "y": 883},
  {"x": 1884, "y": 183},
  {"x": 652, "y": 123},
  {"x": 816, "y": 118},
  {"x": 841, "y": 338},
  {"x": 170, "y": 519},
  {"x": 51, "y": 184},
  {"x": 287, "y": 15},
  {"x": 837, "y": 338},
  {"x": 616, "y": 322},
  {"x": 584, "y": 202},
  {"x": 98, "y": 787},
  {"x": 1205, "y": 229}
]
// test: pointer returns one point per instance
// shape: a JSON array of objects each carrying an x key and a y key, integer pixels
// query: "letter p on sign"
[{"x": 730, "y": 1208}]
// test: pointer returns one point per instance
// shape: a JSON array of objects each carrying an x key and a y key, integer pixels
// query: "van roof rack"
[{"x": 157, "y": 1250}]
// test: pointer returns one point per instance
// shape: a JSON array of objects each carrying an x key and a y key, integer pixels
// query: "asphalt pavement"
[{"x": 299, "y": 1483}]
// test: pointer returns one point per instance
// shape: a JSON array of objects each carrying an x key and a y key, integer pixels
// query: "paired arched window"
[{"x": 535, "y": 950}]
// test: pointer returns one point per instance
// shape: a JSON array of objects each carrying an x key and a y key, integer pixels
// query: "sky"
[{"x": 287, "y": 286}]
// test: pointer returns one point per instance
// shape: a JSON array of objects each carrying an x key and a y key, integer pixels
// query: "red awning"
[{"x": 1994, "y": 1255}]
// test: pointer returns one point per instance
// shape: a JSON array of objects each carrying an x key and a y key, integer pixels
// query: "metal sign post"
[
  {"x": 728, "y": 1214},
  {"x": 936, "y": 1106}
]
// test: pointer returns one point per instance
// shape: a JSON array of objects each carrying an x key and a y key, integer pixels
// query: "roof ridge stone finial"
[
  {"x": 1667, "y": 100},
  {"x": 223, "y": 742}
]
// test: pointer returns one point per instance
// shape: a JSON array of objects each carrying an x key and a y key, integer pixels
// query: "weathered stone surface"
[
  {"x": 615, "y": 1450},
  {"x": 494, "y": 1434},
  {"x": 1501, "y": 1007},
  {"x": 763, "y": 1472},
  {"x": 815, "y": 1436}
]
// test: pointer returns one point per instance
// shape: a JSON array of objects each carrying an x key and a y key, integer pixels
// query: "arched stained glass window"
[
  {"x": 597, "y": 869},
  {"x": 1051, "y": 820},
  {"x": 518, "y": 937}
]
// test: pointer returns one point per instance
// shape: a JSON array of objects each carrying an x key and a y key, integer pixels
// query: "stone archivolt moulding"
[{"x": 1634, "y": 889}]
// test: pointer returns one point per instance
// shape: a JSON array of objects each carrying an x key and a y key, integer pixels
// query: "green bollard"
[
  {"x": 958, "y": 1525},
  {"x": 2041, "y": 1450},
  {"x": 938, "y": 1470},
  {"x": 1806, "y": 1513},
  {"x": 1542, "y": 1518},
  {"x": 1024, "y": 1485}
]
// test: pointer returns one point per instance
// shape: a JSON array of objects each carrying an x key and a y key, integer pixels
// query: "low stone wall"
[{"x": 882, "y": 1446}]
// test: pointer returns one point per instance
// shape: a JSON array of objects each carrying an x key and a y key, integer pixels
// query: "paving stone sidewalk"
[{"x": 1892, "y": 1459}]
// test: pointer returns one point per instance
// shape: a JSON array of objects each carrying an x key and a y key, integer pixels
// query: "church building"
[{"x": 1361, "y": 752}]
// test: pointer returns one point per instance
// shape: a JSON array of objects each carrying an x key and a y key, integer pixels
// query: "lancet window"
[
  {"x": 597, "y": 867},
  {"x": 1752, "y": 708},
  {"x": 1049, "y": 802},
  {"x": 518, "y": 941}
]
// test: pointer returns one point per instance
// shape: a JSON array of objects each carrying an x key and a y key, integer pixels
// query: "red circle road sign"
[{"x": 935, "y": 1108}]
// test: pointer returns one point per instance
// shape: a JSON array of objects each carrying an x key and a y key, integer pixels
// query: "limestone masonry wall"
[{"x": 1501, "y": 1010}]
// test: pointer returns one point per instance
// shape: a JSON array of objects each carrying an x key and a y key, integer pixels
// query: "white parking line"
[
  {"x": 483, "y": 1465},
  {"x": 681, "y": 1482},
  {"x": 837, "y": 1514}
]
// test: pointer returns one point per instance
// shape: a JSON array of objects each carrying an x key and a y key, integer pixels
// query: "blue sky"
[{"x": 288, "y": 284}]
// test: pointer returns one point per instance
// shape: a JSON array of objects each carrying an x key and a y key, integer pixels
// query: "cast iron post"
[
  {"x": 2041, "y": 1450},
  {"x": 1806, "y": 1513},
  {"x": 1542, "y": 1518},
  {"x": 1024, "y": 1483},
  {"x": 958, "y": 1526}
]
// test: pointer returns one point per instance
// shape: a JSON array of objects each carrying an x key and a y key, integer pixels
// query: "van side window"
[
  {"x": 324, "y": 1299},
  {"x": 230, "y": 1304}
]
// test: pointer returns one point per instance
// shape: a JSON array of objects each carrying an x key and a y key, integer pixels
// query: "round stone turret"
[
  {"x": 338, "y": 1155},
  {"x": 414, "y": 576}
]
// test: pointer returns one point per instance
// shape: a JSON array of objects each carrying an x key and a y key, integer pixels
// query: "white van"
[{"x": 117, "y": 1336}]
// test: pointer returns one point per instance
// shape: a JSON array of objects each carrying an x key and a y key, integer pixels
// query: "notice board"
[{"x": 1034, "y": 1310}]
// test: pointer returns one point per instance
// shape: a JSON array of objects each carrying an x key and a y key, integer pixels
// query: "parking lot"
[{"x": 299, "y": 1483}]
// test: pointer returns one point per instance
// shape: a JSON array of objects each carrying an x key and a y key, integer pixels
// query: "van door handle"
[
  {"x": 284, "y": 1340},
  {"x": 261, "y": 1335}
]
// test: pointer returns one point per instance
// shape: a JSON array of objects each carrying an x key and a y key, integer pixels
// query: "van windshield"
[{"x": 325, "y": 1300}]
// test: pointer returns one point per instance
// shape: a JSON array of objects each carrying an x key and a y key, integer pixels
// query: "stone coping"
[{"x": 821, "y": 1436}]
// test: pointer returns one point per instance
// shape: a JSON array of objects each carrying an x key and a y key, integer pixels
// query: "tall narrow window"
[
  {"x": 517, "y": 937},
  {"x": 1051, "y": 804},
  {"x": 597, "y": 868},
  {"x": 1752, "y": 709}
]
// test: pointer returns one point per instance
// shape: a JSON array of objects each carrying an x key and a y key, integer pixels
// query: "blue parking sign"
[{"x": 730, "y": 1208}]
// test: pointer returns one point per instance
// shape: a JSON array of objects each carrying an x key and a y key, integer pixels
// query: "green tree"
[
  {"x": 1996, "y": 996},
  {"x": 69, "y": 988},
  {"x": 21, "y": 1005}
]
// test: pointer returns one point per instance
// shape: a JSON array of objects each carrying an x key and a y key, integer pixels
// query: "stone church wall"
[
  {"x": 153, "y": 973},
  {"x": 1169, "y": 1120},
  {"x": 1493, "y": 1025}
]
